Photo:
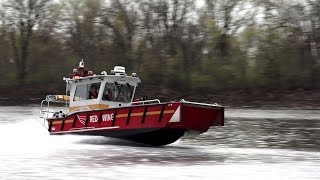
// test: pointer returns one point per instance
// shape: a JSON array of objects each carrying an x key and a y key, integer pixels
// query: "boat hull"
[
  {"x": 156, "y": 124},
  {"x": 153, "y": 137}
]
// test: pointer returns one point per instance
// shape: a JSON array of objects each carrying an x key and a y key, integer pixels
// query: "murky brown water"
[{"x": 254, "y": 144}]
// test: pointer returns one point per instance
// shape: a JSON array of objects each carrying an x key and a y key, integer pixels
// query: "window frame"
[{"x": 88, "y": 87}]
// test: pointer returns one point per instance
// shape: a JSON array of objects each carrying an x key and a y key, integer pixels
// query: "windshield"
[{"x": 118, "y": 92}]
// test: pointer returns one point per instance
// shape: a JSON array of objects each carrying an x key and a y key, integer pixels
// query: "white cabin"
[{"x": 112, "y": 90}]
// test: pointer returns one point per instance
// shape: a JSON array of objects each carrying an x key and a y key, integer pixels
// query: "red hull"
[{"x": 156, "y": 124}]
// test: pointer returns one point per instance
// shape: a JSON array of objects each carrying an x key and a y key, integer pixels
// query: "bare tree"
[
  {"x": 3, "y": 40},
  {"x": 81, "y": 27},
  {"x": 229, "y": 16},
  {"x": 299, "y": 20},
  {"x": 22, "y": 18},
  {"x": 120, "y": 20}
]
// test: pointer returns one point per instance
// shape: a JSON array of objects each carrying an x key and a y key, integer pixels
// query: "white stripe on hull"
[{"x": 84, "y": 129}]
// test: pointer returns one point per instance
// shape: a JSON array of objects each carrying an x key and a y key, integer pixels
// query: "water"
[{"x": 254, "y": 144}]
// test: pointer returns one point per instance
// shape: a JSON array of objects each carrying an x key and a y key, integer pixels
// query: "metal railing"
[
  {"x": 152, "y": 101},
  {"x": 203, "y": 104},
  {"x": 45, "y": 112}
]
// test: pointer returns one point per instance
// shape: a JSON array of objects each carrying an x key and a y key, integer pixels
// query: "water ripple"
[{"x": 253, "y": 144}]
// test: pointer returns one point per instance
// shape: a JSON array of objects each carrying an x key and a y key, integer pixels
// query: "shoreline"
[{"x": 297, "y": 99}]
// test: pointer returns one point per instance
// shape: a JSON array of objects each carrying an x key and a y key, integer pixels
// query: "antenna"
[{"x": 81, "y": 64}]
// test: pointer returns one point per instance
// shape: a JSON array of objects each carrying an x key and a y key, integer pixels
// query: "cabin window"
[
  {"x": 118, "y": 92},
  {"x": 87, "y": 91},
  {"x": 108, "y": 93}
]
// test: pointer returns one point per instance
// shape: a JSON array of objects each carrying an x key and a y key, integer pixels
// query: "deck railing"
[
  {"x": 45, "y": 111},
  {"x": 203, "y": 104},
  {"x": 152, "y": 101}
]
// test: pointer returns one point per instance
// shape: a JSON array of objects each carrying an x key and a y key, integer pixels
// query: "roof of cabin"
[{"x": 110, "y": 78}]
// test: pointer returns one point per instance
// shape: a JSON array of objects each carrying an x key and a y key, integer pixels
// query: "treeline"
[{"x": 182, "y": 45}]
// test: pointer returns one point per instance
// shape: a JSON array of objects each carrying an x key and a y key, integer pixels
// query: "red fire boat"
[{"x": 104, "y": 105}]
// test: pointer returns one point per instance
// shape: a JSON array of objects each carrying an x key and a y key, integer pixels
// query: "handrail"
[
  {"x": 146, "y": 101},
  {"x": 45, "y": 111},
  {"x": 204, "y": 104}
]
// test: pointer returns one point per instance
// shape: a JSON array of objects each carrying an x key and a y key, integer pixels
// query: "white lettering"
[
  {"x": 107, "y": 117},
  {"x": 93, "y": 118}
]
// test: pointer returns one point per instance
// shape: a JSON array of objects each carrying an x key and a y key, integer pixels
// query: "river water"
[{"x": 253, "y": 144}]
